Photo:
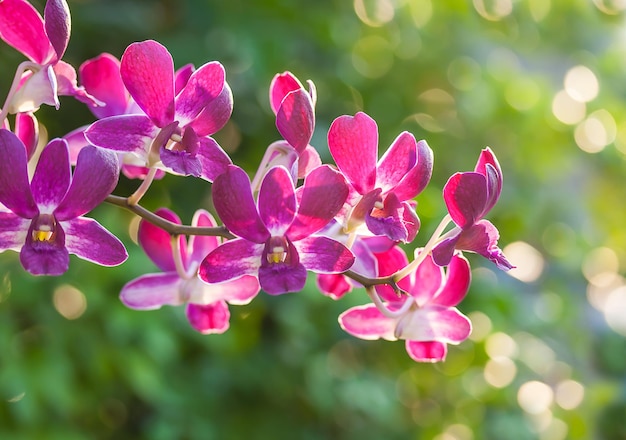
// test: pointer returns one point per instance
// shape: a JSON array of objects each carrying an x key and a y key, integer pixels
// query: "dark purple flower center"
[
  {"x": 277, "y": 250},
  {"x": 44, "y": 229}
]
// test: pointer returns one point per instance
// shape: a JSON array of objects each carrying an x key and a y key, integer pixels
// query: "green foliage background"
[{"x": 460, "y": 79}]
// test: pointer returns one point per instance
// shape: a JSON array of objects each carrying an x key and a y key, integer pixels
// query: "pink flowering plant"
[{"x": 343, "y": 221}]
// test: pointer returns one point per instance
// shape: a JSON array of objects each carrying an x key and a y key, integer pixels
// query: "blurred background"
[{"x": 542, "y": 82}]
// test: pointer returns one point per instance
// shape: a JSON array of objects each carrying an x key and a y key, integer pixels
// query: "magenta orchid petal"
[
  {"x": 38, "y": 88},
  {"x": 57, "y": 24},
  {"x": 414, "y": 182},
  {"x": 494, "y": 176},
  {"x": 442, "y": 253},
  {"x": 324, "y": 255},
  {"x": 88, "y": 240},
  {"x": 323, "y": 194},
  {"x": 308, "y": 160},
  {"x": 295, "y": 119},
  {"x": 27, "y": 130},
  {"x": 94, "y": 178},
  {"x": 215, "y": 114},
  {"x": 48, "y": 257},
  {"x": 52, "y": 176},
  {"x": 100, "y": 76},
  {"x": 15, "y": 191},
  {"x": 22, "y": 27},
  {"x": 181, "y": 162},
  {"x": 333, "y": 285},
  {"x": 277, "y": 200},
  {"x": 67, "y": 85},
  {"x": 397, "y": 161},
  {"x": 389, "y": 262},
  {"x": 213, "y": 159},
  {"x": 366, "y": 322},
  {"x": 200, "y": 245},
  {"x": 181, "y": 77},
  {"x": 388, "y": 221},
  {"x": 410, "y": 220},
  {"x": 151, "y": 291},
  {"x": 157, "y": 243},
  {"x": 465, "y": 196},
  {"x": 235, "y": 206},
  {"x": 231, "y": 260},
  {"x": 426, "y": 351},
  {"x": 126, "y": 133},
  {"x": 204, "y": 85},
  {"x": 209, "y": 319},
  {"x": 434, "y": 323},
  {"x": 280, "y": 278},
  {"x": 426, "y": 281},
  {"x": 280, "y": 86},
  {"x": 238, "y": 291},
  {"x": 147, "y": 70},
  {"x": 13, "y": 230},
  {"x": 353, "y": 143},
  {"x": 459, "y": 276},
  {"x": 482, "y": 238}
]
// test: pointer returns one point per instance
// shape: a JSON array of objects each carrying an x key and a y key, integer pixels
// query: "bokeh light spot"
[
  {"x": 500, "y": 372},
  {"x": 374, "y": 13},
  {"x": 493, "y": 10},
  {"x": 615, "y": 310},
  {"x": 421, "y": 12},
  {"x": 528, "y": 261},
  {"x": 557, "y": 429},
  {"x": 598, "y": 262},
  {"x": 596, "y": 132},
  {"x": 567, "y": 110},
  {"x": 500, "y": 344},
  {"x": 610, "y": 7},
  {"x": 535, "y": 397},
  {"x": 69, "y": 301},
  {"x": 569, "y": 394},
  {"x": 581, "y": 84}
]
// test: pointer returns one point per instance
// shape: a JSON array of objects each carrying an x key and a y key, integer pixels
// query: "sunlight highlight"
[
  {"x": 69, "y": 301},
  {"x": 581, "y": 84},
  {"x": 567, "y": 110},
  {"x": 528, "y": 261},
  {"x": 535, "y": 397}
]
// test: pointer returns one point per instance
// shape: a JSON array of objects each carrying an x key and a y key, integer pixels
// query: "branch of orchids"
[
  {"x": 168, "y": 226},
  {"x": 23, "y": 67}
]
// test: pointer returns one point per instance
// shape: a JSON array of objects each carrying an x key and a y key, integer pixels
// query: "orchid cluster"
[{"x": 344, "y": 222}]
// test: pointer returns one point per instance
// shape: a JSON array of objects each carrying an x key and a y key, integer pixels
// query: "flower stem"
[
  {"x": 434, "y": 239},
  {"x": 135, "y": 197},
  {"x": 395, "y": 314}
]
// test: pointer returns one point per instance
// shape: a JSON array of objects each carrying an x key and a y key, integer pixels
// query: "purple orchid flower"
[
  {"x": 174, "y": 133},
  {"x": 426, "y": 318},
  {"x": 276, "y": 242},
  {"x": 206, "y": 304},
  {"x": 469, "y": 196},
  {"x": 46, "y": 221},
  {"x": 100, "y": 76},
  {"x": 43, "y": 41},
  {"x": 381, "y": 189}
]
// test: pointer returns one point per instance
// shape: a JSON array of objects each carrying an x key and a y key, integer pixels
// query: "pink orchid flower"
[
  {"x": 174, "y": 132},
  {"x": 469, "y": 196},
  {"x": 43, "y": 41},
  {"x": 382, "y": 190},
  {"x": 45, "y": 222},
  {"x": 277, "y": 241},
  {"x": 206, "y": 304},
  {"x": 426, "y": 318}
]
